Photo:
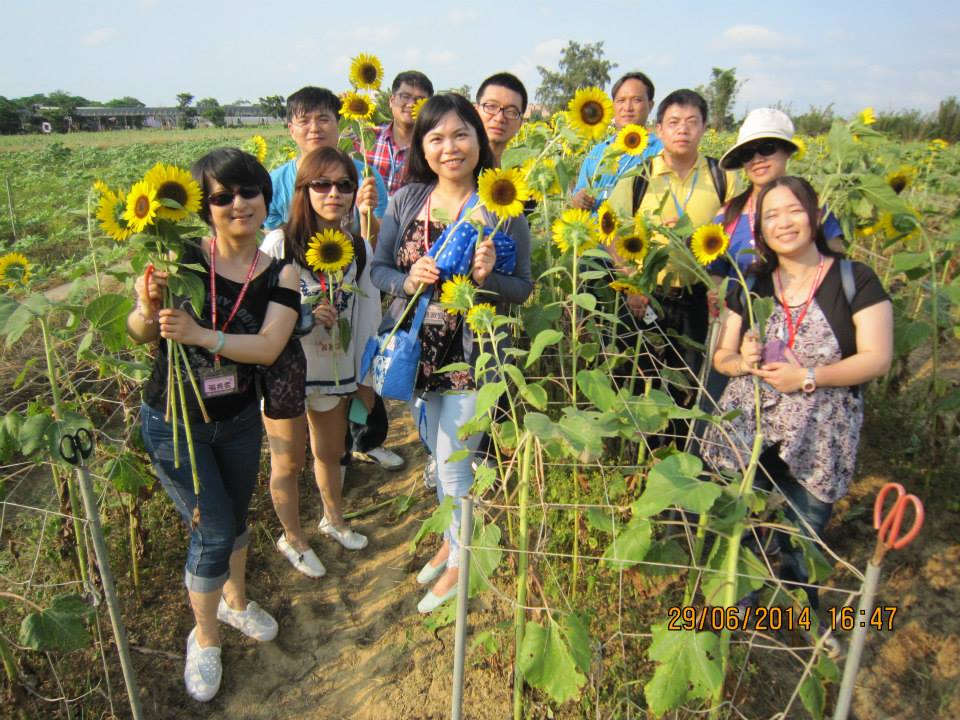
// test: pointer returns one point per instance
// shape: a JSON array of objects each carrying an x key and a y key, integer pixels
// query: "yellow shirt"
[{"x": 667, "y": 197}]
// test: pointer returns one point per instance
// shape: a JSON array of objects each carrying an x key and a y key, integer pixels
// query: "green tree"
[
  {"x": 125, "y": 101},
  {"x": 210, "y": 109},
  {"x": 580, "y": 66},
  {"x": 463, "y": 90},
  {"x": 721, "y": 95},
  {"x": 273, "y": 106},
  {"x": 947, "y": 120},
  {"x": 187, "y": 113},
  {"x": 10, "y": 116}
]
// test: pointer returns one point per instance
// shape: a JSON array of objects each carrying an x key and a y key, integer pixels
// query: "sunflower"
[
  {"x": 899, "y": 226},
  {"x": 366, "y": 72},
  {"x": 590, "y": 112},
  {"x": 176, "y": 184},
  {"x": 415, "y": 110},
  {"x": 709, "y": 242},
  {"x": 633, "y": 246},
  {"x": 480, "y": 318},
  {"x": 503, "y": 191},
  {"x": 111, "y": 211},
  {"x": 607, "y": 222},
  {"x": 801, "y": 148},
  {"x": 623, "y": 287},
  {"x": 542, "y": 178},
  {"x": 257, "y": 146},
  {"x": 290, "y": 151},
  {"x": 867, "y": 116},
  {"x": 901, "y": 178},
  {"x": 575, "y": 229},
  {"x": 356, "y": 106},
  {"x": 937, "y": 145},
  {"x": 101, "y": 187},
  {"x": 632, "y": 139},
  {"x": 329, "y": 251},
  {"x": 14, "y": 270},
  {"x": 142, "y": 206},
  {"x": 457, "y": 294}
]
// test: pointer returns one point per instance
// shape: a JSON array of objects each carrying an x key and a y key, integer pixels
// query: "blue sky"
[{"x": 888, "y": 55}]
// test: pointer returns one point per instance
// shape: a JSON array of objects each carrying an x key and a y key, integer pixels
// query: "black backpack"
[{"x": 642, "y": 181}]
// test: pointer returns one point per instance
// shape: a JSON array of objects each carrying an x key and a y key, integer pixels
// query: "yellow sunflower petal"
[
  {"x": 633, "y": 245},
  {"x": 356, "y": 106},
  {"x": 111, "y": 210},
  {"x": 590, "y": 112},
  {"x": 632, "y": 139},
  {"x": 867, "y": 116},
  {"x": 901, "y": 178},
  {"x": 329, "y": 251},
  {"x": 142, "y": 206},
  {"x": 575, "y": 229},
  {"x": 14, "y": 270},
  {"x": 503, "y": 191},
  {"x": 607, "y": 222},
  {"x": 457, "y": 294},
  {"x": 366, "y": 72},
  {"x": 480, "y": 318},
  {"x": 709, "y": 242},
  {"x": 176, "y": 184},
  {"x": 415, "y": 110}
]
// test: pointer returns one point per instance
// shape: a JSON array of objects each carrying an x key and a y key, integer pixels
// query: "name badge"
[
  {"x": 649, "y": 316},
  {"x": 436, "y": 315},
  {"x": 218, "y": 381}
]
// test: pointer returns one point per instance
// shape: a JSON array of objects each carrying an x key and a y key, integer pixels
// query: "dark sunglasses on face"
[
  {"x": 322, "y": 186},
  {"x": 224, "y": 198},
  {"x": 764, "y": 148}
]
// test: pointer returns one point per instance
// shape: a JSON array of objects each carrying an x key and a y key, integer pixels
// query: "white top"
[{"x": 323, "y": 347}]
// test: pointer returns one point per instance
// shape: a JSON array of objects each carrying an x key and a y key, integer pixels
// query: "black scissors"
[{"x": 79, "y": 445}]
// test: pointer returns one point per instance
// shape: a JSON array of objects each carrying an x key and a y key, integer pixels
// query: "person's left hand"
[
  {"x": 367, "y": 197},
  {"x": 180, "y": 326},
  {"x": 787, "y": 377},
  {"x": 365, "y": 393},
  {"x": 483, "y": 261}
]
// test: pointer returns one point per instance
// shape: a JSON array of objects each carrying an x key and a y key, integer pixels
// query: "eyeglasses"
[
  {"x": 224, "y": 198},
  {"x": 491, "y": 109},
  {"x": 408, "y": 99},
  {"x": 764, "y": 148},
  {"x": 322, "y": 186}
]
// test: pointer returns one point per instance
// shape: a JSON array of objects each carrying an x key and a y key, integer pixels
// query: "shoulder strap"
[
  {"x": 719, "y": 178},
  {"x": 640, "y": 184},
  {"x": 360, "y": 255},
  {"x": 846, "y": 278}
]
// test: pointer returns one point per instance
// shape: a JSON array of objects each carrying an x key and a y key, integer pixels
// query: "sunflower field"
[{"x": 591, "y": 544}]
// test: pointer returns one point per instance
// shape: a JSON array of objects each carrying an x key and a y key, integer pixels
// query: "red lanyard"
[
  {"x": 213, "y": 288},
  {"x": 791, "y": 328},
  {"x": 426, "y": 225}
]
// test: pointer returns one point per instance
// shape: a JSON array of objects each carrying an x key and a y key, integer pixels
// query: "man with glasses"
[
  {"x": 313, "y": 114},
  {"x": 632, "y": 103},
  {"x": 389, "y": 153},
  {"x": 501, "y": 102}
]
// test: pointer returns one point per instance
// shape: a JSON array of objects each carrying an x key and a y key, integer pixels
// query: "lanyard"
[
  {"x": 213, "y": 289},
  {"x": 791, "y": 328},
  {"x": 426, "y": 225},
  {"x": 681, "y": 209}
]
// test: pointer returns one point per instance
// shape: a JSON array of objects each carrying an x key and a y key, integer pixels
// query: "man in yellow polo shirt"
[{"x": 681, "y": 182}]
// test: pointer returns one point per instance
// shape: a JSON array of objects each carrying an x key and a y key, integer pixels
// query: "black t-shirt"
[
  {"x": 830, "y": 298},
  {"x": 262, "y": 291}
]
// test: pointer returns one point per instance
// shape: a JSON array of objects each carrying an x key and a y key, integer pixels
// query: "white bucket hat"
[{"x": 760, "y": 124}]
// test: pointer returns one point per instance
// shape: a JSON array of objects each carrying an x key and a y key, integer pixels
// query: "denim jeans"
[
  {"x": 228, "y": 461},
  {"x": 439, "y": 417}
]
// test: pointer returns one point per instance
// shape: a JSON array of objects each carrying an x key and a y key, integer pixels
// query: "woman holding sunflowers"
[
  {"x": 448, "y": 151},
  {"x": 334, "y": 274}
]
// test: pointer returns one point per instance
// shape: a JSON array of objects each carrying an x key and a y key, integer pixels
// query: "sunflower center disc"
[
  {"x": 331, "y": 253},
  {"x": 504, "y": 192},
  {"x": 607, "y": 224},
  {"x": 369, "y": 74},
  {"x": 633, "y": 245},
  {"x": 142, "y": 207},
  {"x": 591, "y": 113},
  {"x": 173, "y": 191},
  {"x": 358, "y": 107},
  {"x": 632, "y": 140}
]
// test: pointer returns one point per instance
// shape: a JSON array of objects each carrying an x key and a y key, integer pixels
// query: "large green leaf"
[
  {"x": 485, "y": 556},
  {"x": 60, "y": 627},
  {"x": 543, "y": 340},
  {"x": 127, "y": 473},
  {"x": 813, "y": 691},
  {"x": 10, "y": 435},
  {"x": 675, "y": 481},
  {"x": 596, "y": 385},
  {"x": 108, "y": 316},
  {"x": 438, "y": 521},
  {"x": 584, "y": 432},
  {"x": 630, "y": 545},
  {"x": 33, "y": 433},
  {"x": 547, "y": 663},
  {"x": 488, "y": 395},
  {"x": 688, "y": 668}
]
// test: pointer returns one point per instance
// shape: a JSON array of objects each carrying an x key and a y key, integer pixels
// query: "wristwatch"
[{"x": 809, "y": 382}]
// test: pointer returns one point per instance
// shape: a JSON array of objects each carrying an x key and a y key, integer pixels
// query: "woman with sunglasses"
[
  {"x": 448, "y": 151},
  {"x": 324, "y": 195},
  {"x": 819, "y": 348},
  {"x": 249, "y": 310},
  {"x": 764, "y": 145}
]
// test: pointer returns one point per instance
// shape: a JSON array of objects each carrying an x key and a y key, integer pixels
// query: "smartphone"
[{"x": 358, "y": 412}]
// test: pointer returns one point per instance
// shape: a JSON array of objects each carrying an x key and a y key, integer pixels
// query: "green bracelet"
[{"x": 220, "y": 341}]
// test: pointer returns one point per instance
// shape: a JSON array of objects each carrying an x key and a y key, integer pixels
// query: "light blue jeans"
[{"x": 439, "y": 417}]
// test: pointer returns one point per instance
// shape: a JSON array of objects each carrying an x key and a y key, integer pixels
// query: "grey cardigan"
[{"x": 502, "y": 290}]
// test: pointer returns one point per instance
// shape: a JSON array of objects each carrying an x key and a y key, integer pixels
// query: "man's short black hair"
[
  {"x": 413, "y": 78},
  {"x": 510, "y": 82},
  {"x": 311, "y": 99},
  {"x": 232, "y": 168},
  {"x": 686, "y": 98},
  {"x": 633, "y": 75}
]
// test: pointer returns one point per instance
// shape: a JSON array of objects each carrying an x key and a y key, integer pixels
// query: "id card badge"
[
  {"x": 436, "y": 315},
  {"x": 649, "y": 316},
  {"x": 218, "y": 381}
]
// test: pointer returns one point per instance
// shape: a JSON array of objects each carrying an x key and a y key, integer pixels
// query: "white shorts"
[{"x": 320, "y": 402}]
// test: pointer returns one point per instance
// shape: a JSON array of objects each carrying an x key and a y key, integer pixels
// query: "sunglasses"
[
  {"x": 224, "y": 198},
  {"x": 764, "y": 148},
  {"x": 322, "y": 186}
]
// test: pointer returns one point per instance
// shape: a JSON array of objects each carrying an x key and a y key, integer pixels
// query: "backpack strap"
[
  {"x": 360, "y": 255},
  {"x": 719, "y": 178}
]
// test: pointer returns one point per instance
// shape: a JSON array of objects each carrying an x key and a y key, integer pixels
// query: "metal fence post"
[{"x": 463, "y": 588}]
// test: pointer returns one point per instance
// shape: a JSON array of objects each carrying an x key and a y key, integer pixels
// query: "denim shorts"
[{"x": 228, "y": 462}]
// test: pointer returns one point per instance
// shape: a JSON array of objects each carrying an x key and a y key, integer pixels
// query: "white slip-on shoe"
[
  {"x": 431, "y": 602},
  {"x": 428, "y": 573},
  {"x": 348, "y": 538},
  {"x": 306, "y": 562},
  {"x": 204, "y": 671},
  {"x": 254, "y": 622},
  {"x": 387, "y": 459}
]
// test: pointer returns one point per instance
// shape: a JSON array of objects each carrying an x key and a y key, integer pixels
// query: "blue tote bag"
[{"x": 395, "y": 362}]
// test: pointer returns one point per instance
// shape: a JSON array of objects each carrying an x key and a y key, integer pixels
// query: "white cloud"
[
  {"x": 378, "y": 34},
  {"x": 754, "y": 37},
  {"x": 100, "y": 36},
  {"x": 441, "y": 57}
]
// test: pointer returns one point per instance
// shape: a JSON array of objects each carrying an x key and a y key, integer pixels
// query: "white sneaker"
[
  {"x": 306, "y": 562},
  {"x": 348, "y": 538},
  {"x": 203, "y": 671},
  {"x": 430, "y": 473},
  {"x": 387, "y": 459},
  {"x": 254, "y": 622}
]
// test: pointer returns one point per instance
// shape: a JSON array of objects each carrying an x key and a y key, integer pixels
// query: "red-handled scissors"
[{"x": 888, "y": 527}]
